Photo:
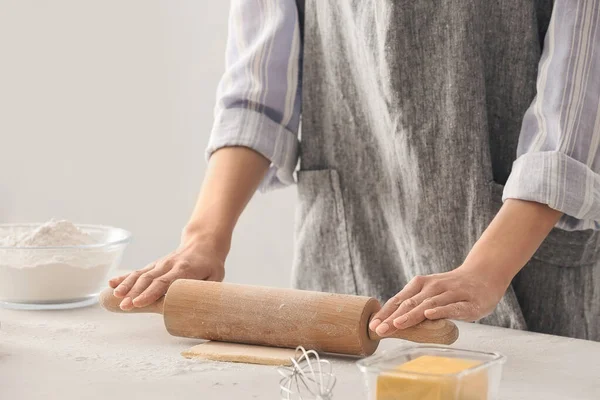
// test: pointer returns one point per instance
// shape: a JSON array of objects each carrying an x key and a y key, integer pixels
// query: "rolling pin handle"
[
  {"x": 439, "y": 331},
  {"x": 111, "y": 303}
]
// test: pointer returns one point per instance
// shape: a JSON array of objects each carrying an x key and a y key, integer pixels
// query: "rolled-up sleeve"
[
  {"x": 558, "y": 161},
  {"x": 258, "y": 97}
]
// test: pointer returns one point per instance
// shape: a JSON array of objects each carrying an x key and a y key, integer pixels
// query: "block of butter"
[{"x": 431, "y": 377}]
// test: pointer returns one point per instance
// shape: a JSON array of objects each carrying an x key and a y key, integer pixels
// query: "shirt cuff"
[
  {"x": 561, "y": 182},
  {"x": 249, "y": 128}
]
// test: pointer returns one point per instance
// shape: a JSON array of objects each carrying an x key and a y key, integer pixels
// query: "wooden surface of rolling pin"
[{"x": 328, "y": 322}]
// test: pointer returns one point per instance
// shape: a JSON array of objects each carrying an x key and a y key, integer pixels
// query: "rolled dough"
[{"x": 241, "y": 353}]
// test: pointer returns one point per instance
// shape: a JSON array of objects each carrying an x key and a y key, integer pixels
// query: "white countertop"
[{"x": 92, "y": 354}]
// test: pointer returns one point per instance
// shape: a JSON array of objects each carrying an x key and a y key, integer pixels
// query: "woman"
[{"x": 418, "y": 119}]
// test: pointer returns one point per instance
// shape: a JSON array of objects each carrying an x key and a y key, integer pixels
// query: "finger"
[
  {"x": 154, "y": 291},
  {"x": 160, "y": 285},
  {"x": 417, "y": 314},
  {"x": 116, "y": 281},
  {"x": 410, "y": 290},
  {"x": 462, "y": 310},
  {"x": 399, "y": 318},
  {"x": 124, "y": 287},
  {"x": 412, "y": 303},
  {"x": 146, "y": 280},
  {"x": 126, "y": 304}
]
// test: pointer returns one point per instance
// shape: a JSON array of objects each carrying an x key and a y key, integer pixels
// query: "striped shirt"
[{"x": 259, "y": 102}]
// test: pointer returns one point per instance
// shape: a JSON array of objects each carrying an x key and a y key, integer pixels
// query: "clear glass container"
[
  {"x": 430, "y": 372},
  {"x": 42, "y": 278}
]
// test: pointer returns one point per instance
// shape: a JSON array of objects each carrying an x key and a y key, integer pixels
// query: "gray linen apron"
[{"x": 411, "y": 116}]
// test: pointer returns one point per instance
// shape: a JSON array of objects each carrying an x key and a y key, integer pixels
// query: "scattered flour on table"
[
  {"x": 47, "y": 275},
  {"x": 86, "y": 345}
]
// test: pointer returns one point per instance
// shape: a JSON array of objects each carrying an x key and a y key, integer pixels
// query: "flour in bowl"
[
  {"x": 35, "y": 269},
  {"x": 52, "y": 233}
]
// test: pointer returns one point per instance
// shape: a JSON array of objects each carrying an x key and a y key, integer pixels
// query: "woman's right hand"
[
  {"x": 196, "y": 258},
  {"x": 233, "y": 176}
]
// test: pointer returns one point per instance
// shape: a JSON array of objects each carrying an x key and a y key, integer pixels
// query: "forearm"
[
  {"x": 512, "y": 238},
  {"x": 233, "y": 176}
]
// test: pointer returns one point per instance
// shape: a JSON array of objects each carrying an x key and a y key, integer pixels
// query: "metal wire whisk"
[{"x": 309, "y": 376}]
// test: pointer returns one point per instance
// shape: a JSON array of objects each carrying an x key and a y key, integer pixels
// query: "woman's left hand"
[
  {"x": 473, "y": 290},
  {"x": 466, "y": 293}
]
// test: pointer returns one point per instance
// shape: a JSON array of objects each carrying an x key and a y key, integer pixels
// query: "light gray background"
[{"x": 105, "y": 112}]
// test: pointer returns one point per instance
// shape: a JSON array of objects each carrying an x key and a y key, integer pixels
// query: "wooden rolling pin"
[{"x": 327, "y": 322}]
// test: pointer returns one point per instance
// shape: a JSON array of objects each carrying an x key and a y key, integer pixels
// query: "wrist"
[
  {"x": 496, "y": 264},
  {"x": 510, "y": 240},
  {"x": 212, "y": 238}
]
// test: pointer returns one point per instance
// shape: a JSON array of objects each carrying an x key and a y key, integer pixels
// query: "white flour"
[
  {"x": 97, "y": 348},
  {"x": 52, "y": 233},
  {"x": 51, "y": 275}
]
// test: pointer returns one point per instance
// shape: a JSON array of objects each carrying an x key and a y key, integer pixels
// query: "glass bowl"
[
  {"x": 432, "y": 372},
  {"x": 50, "y": 278}
]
